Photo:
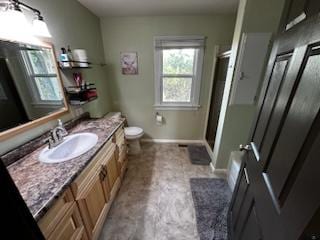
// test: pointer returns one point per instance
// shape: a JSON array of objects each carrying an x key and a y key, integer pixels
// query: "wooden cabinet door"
[
  {"x": 56, "y": 213},
  {"x": 112, "y": 171},
  {"x": 70, "y": 227},
  {"x": 121, "y": 151},
  {"x": 93, "y": 205}
]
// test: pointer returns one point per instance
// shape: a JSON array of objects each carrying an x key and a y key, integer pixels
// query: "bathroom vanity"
[
  {"x": 70, "y": 200},
  {"x": 70, "y": 185}
]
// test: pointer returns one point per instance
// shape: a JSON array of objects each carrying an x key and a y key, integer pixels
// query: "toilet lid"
[{"x": 133, "y": 131}]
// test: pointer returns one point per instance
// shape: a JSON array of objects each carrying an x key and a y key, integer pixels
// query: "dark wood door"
[
  {"x": 216, "y": 97},
  {"x": 277, "y": 194}
]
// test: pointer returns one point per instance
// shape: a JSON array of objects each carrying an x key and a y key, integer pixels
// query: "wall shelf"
[
  {"x": 80, "y": 103},
  {"x": 80, "y": 95},
  {"x": 76, "y": 64}
]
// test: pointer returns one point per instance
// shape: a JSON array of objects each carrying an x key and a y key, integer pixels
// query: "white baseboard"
[
  {"x": 218, "y": 170},
  {"x": 181, "y": 141},
  {"x": 209, "y": 151}
]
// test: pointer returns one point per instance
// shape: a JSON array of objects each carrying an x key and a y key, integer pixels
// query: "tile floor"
[{"x": 154, "y": 201}]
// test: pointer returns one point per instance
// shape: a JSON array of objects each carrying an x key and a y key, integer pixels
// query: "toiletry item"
[
  {"x": 80, "y": 56},
  {"x": 77, "y": 77},
  {"x": 64, "y": 58},
  {"x": 70, "y": 56}
]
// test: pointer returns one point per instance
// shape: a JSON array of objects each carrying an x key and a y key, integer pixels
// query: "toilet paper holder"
[{"x": 159, "y": 119}]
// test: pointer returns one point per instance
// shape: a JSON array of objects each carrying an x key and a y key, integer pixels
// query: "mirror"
[{"x": 30, "y": 86}]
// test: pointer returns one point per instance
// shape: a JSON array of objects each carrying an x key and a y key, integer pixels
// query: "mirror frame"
[{"x": 40, "y": 121}]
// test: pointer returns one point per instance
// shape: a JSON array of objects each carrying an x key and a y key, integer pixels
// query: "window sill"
[{"x": 177, "y": 107}]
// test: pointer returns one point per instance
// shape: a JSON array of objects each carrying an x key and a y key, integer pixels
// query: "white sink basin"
[{"x": 73, "y": 146}]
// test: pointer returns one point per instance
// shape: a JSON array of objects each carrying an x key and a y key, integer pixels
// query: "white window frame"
[{"x": 178, "y": 42}]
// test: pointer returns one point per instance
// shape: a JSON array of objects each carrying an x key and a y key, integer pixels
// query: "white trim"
[
  {"x": 229, "y": 78},
  {"x": 196, "y": 76},
  {"x": 182, "y": 141},
  {"x": 237, "y": 73},
  {"x": 176, "y": 107},
  {"x": 209, "y": 150},
  {"x": 219, "y": 170},
  {"x": 214, "y": 170},
  {"x": 185, "y": 41}
]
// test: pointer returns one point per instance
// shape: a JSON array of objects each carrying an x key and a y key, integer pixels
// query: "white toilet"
[{"x": 133, "y": 135}]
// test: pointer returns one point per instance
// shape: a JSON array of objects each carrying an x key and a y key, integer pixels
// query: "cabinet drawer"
[
  {"x": 48, "y": 223},
  {"x": 95, "y": 165},
  {"x": 70, "y": 227}
]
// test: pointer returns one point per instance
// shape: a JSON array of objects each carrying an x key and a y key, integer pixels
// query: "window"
[
  {"x": 178, "y": 68},
  {"x": 42, "y": 73}
]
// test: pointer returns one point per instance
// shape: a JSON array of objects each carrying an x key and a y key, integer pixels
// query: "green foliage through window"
[
  {"x": 177, "y": 72},
  {"x": 178, "y": 61}
]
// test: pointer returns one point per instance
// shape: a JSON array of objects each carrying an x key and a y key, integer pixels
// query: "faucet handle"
[{"x": 50, "y": 141}]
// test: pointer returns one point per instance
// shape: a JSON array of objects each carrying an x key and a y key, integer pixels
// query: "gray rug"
[
  {"x": 198, "y": 154},
  {"x": 211, "y": 198}
]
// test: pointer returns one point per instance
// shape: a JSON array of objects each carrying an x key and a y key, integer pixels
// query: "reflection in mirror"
[{"x": 30, "y": 87}]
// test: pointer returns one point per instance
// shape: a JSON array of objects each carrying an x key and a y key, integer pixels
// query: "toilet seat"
[{"x": 133, "y": 132}]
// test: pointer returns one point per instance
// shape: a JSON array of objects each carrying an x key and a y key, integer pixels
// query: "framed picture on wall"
[{"x": 129, "y": 63}]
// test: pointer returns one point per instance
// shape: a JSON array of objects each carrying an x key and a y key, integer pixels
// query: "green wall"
[
  {"x": 134, "y": 95},
  {"x": 71, "y": 24},
  {"x": 238, "y": 121},
  {"x": 255, "y": 16}
]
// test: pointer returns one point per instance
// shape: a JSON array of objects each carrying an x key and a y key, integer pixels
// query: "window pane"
[
  {"x": 178, "y": 61},
  {"x": 177, "y": 89},
  {"x": 48, "y": 88},
  {"x": 41, "y": 61}
]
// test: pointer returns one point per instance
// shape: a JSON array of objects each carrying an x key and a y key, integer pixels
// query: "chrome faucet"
[{"x": 57, "y": 134}]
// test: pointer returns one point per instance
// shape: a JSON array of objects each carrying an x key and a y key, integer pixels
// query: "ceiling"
[{"x": 103, "y": 8}]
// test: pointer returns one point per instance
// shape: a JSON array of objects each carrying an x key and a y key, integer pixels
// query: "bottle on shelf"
[
  {"x": 70, "y": 56},
  {"x": 64, "y": 59}
]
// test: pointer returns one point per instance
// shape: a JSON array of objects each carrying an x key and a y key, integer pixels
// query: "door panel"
[
  {"x": 282, "y": 160},
  {"x": 301, "y": 115},
  {"x": 278, "y": 74},
  {"x": 243, "y": 212},
  {"x": 241, "y": 193},
  {"x": 251, "y": 228},
  {"x": 281, "y": 106}
]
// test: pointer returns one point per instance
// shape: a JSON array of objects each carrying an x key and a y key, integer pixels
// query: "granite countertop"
[{"x": 40, "y": 184}]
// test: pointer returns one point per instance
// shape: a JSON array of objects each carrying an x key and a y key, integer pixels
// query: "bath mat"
[
  {"x": 211, "y": 199},
  {"x": 198, "y": 154}
]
